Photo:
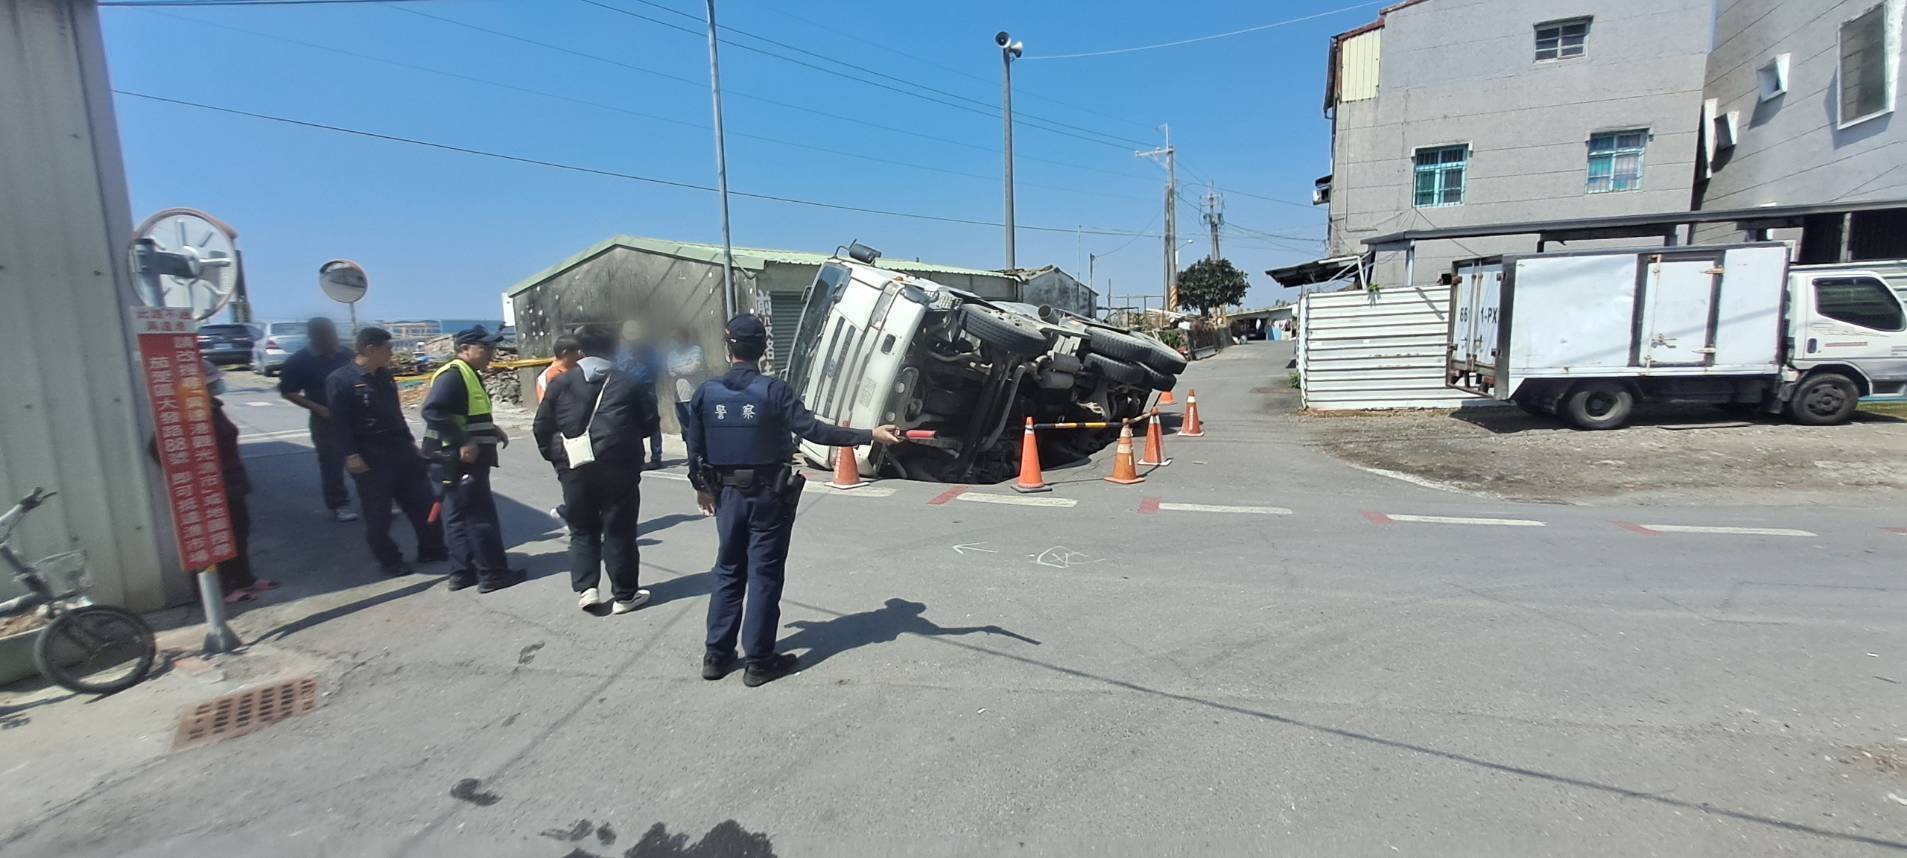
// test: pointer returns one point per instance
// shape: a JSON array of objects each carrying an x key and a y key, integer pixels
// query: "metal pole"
[
  {"x": 219, "y": 637},
  {"x": 1006, "y": 119},
  {"x": 352, "y": 308},
  {"x": 721, "y": 170}
]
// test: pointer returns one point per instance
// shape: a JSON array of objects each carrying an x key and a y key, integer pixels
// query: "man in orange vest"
[{"x": 567, "y": 350}]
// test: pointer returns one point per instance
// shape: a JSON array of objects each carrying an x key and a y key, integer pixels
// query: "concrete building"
[
  {"x": 1800, "y": 111},
  {"x": 1054, "y": 287},
  {"x": 1455, "y": 112}
]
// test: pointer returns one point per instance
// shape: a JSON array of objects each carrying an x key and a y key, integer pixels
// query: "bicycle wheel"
[{"x": 96, "y": 649}]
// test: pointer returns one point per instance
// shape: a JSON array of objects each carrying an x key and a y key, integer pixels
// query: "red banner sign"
[{"x": 182, "y": 428}]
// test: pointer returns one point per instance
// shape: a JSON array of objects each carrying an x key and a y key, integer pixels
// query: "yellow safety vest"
[{"x": 476, "y": 420}]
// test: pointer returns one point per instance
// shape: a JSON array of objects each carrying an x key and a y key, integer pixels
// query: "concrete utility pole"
[
  {"x": 1165, "y": 153},
  {"x": 721, "y": 173},
  {"x": 1214, "y": 216},
  {"x": 1009, "y": 51}
]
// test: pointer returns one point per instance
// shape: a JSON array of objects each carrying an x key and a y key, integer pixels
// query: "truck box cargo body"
[{"x": 1586, "y": 334}]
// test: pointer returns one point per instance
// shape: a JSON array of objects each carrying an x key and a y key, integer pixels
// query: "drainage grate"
[{"x": 243, "y": 712}]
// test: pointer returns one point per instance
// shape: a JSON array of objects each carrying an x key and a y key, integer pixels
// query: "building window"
[
  {"x": 1440, "y": 175},
  {"x": 1615, "y": 160},
  {"x": 1561, "y": 40},
  {"x": 1869, "y": 49},
  {"x": 1773, "y": 77},
  {"x": 1862, "y": 301}
]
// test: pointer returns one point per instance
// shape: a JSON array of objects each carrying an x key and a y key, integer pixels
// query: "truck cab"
[{"x": 1847, "y": 321}]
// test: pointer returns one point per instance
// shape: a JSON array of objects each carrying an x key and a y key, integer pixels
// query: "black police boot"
[
  {"x": 458, "y": 583},
  {"x": 769, "y": 669},
  {"x": 716, "y": 665},
  {"x": 500, "y": 580}
]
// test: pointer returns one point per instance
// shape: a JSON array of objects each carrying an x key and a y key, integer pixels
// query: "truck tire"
[
  {"x": 1010, "y": 332},
  {"x": 1824, "y": 399},
  {"x": 1119, "y": 371},
  {"x": 1164, "y": 358},
  {"x": 1599, "y": 405},
  {"x": 1161, "y": 381},
  {"x": 1118, "y": 346}
]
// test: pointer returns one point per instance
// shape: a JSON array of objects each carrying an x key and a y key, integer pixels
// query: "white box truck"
[{"x": 1586, "y": 335}]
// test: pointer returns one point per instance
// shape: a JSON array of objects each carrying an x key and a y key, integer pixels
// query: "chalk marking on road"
[
  {"x": 1732, "y": 531},
  {"x": 1387, "y": 518},
  {"x": 1061, "y": 557},
  {"x": 1015, "y": 500},
  {"x": 973, "y": 546},
  {"x": 947, "y": 495},
  {"x": 862, "y": 492}
]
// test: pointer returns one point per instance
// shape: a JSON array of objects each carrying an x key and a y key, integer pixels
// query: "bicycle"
[{"x": 93, "y": 649}]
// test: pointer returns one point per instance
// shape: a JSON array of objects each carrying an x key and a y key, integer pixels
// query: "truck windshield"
[{"x": 827, "y": 285}]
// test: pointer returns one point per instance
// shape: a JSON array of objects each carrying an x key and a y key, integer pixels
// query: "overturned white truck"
[
  {"x": 1586, "y": 335},
  {"x": 875, "y": 346}
]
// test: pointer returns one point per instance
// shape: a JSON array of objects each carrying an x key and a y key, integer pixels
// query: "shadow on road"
[{"x": 826, "y": 639}]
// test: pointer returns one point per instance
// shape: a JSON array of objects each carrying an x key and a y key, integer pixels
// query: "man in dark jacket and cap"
[{"x": 591, "y": 425}]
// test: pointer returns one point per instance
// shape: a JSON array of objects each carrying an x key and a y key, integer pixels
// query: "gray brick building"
[{"x": 1460, "y": 112}]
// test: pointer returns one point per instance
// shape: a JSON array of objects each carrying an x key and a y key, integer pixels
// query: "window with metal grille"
[
  {"x": 1561, "y": 40},
  {"x": 1862, "y": 301},
  {"x": 1869, "y": 56},
  {"x": 1615, "y": 160},
  {"x": 1440, "y": 175}
]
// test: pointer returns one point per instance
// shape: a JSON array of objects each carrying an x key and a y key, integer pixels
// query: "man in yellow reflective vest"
[{"x": 461, "y": 440}]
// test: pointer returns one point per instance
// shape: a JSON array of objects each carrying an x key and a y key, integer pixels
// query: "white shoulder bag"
[{"x": 580, "y": 450}]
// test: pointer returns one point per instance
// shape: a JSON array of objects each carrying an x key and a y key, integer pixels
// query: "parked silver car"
[{"x": 276, "y": 342}]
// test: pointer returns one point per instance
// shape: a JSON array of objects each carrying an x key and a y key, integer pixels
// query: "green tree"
[{"x": 1209, "y": 284}]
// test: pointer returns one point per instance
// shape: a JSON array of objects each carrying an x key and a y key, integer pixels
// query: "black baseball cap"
[
  {"x": 475, "y": 335},
  {"x": 746, "y": 327}
]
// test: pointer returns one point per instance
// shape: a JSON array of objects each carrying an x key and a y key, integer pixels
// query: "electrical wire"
[
  {"x": 153, "y": 4},
  {"x": 595, "y": 171},
  {"x": 1195, "y": 39}
]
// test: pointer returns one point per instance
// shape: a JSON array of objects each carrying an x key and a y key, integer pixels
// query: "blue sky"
[{"x": 442, "y": 233}]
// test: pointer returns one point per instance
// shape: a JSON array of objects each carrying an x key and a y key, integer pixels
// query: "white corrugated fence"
[{"x": 1385, "y": 349}]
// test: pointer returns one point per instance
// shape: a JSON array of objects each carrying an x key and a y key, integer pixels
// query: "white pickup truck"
[
  {"x": 1585, "y": 335},
  {"x": 875, "y": 346}
]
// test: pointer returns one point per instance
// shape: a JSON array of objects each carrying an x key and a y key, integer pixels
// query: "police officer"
[
  {"x": 367, "y": 425},
  {"x": 461, "y": 440},
  {"x": 741, "y": 438}
]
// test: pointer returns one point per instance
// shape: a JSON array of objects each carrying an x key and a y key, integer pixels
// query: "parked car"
[
  {"x": 1585, "y": 335},
  {"x": 276, "y": 342},
  {"x": 227, "y": 344},
  {"x": 874, "y": 346}
]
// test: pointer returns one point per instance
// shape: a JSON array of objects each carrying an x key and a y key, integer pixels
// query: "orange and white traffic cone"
[
  {"x": 1165, "y": 398},
  {"x": 847, "y": 471},
  {"x": 1030, "y": 478},
  {"x": 1155, "y": 443},
  {"x": 1123, "y": 471},
  {"x": 1191, "y": 428}
]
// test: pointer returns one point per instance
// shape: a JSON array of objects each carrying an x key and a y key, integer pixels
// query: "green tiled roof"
[{"x": 751, "y": 258}]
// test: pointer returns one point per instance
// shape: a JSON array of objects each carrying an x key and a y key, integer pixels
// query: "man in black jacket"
[{"x": 615, "y": 412}]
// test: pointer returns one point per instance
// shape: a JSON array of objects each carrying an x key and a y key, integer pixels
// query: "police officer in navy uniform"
[
  {"x": 741, "y": 439},
  {"x": 461, "y": 438},
  {"x": 380, "y": 453}
]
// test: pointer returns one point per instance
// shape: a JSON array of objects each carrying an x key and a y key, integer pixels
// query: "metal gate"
[{"x": 1364, "y": 350}]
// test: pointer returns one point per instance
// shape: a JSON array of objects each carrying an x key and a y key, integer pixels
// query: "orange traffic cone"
[
  {"x": 1165, "y": 398},
  {"x": 847, "y": 472},
  {"x": 1155, "y": 443},
  {"x": 1191, "y": 428},
  {"x": 1030, "y": 479},
  {"x": 1123, "y": 471}
]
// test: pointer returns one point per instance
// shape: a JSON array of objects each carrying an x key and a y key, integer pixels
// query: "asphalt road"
[{"x": 1257, "y": 651}]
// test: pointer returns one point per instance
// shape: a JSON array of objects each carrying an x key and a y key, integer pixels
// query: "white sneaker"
[
  {"x": 642, "y": 598},
  {"x": 589, "y": 599},
  {"x": 344, "y": 513}
]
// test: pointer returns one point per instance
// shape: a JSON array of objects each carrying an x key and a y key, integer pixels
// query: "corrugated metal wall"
[
  {"x": 1358, "y": 58},
  {"x": 70, "y": 419},
  {"x": 1376, "y": 349}
]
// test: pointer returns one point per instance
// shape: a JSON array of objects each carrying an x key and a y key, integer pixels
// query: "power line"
[
  {"x": 746, "y": 95},
  {"x": 1194, "y": 39},
  {"x": 972, "y": 105},
  {"x": 595, "y": 171},
  {"x": 622, "y": 110},
  {"x": 135, "y": 4}
]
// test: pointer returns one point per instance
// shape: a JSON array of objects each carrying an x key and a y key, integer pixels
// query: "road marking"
[
  {"x": 948, "y": 495},
  {"x": 973, "y": 546},
  {"x": 862, "y": 492},
  {"x": 1153, "y": 505},
  {"x": 1016, "y": 500},
  {"x": 260, "y": 403},
  {"x": 1900, "y": 530},
  {"x": 1387, "y": 518},
  {"x": 1735, "y": 531},
  {"x": 665, "y": 475}
]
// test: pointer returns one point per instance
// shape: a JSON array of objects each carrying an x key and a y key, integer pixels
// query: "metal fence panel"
[{"x": 1359, "y": 350}]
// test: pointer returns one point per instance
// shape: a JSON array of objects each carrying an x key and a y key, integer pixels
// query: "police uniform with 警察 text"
[
  {"x": 741, "y": 439},
  {"x": 457, "y": 411}
]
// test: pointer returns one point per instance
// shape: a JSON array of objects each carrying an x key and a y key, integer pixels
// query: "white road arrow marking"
[{"x": 973, "y": 546}]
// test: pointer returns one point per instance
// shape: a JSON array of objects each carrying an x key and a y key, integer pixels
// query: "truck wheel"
[
  {"x": 1118, "y": 346},
  {"x": 1824, "y": 399},
  {"x": 1599, "y": 405},
  {"x": 1164, "y": 359},
  {"x": 1119, "y": 371},
  {"x": 1007, "y": 331}
]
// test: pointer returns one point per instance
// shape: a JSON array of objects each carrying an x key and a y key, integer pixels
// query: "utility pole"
[
  {"x": 1009, "y": 50},
  {"x": 1214, "y": 216},
  {"x": 1165, "y": 153},
  {"x": 721, "y": 173}
]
